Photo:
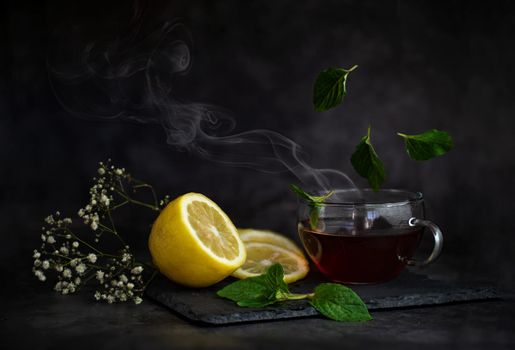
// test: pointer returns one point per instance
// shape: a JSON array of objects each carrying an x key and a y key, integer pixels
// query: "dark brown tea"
[{"x": 360, "y": 256}]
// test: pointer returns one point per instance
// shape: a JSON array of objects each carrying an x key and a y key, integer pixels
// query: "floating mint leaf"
[
  {"x": 330, "y": 88},
  {"x": 339, "y": 303},
  {"x": 367, "y": 164},
  {"x": 430, "y": 144}
]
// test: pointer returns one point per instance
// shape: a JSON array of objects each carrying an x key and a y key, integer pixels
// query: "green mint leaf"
[
  {"x": 430, "y": 144},
  {"x": 339, "y": 303},
  {"x": 250, "y": 289},
  {"x": 301, "y": 193},
  {"x": 314, "y": 213},
  {"x": 275, "y": 275},
  {"x": 314, "y": 202},
  {"x": 308, "y": 197},
  {"x": 330, "y": 88},
  {"x": 367, "y": 164},
  {"x": 257, "y": 291}
]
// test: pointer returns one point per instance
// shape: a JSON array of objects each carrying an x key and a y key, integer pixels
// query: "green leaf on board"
[
  {"x": 257, "y": 291},
  {"x": 331, "y": 300},
  {"x": 339, "y": 303}
]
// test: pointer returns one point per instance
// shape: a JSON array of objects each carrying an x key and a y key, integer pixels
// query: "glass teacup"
[{"x": 362, "y": 236}]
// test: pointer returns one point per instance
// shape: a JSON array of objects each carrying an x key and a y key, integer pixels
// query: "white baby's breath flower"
[
  {"x": 81, "y": 268},
  {"x": 100, "y": 275},
  {"x": 104, "y": 200},
  {"x": 40, "y": 275},
  {"x": 64, "y": 255},
  {"x": 137, "y": 270}
]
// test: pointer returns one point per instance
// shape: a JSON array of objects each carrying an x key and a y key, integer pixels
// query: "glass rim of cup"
[{"x": 404, "y": 197}]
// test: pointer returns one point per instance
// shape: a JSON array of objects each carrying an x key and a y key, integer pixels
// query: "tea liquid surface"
[{"x": 360, "y": 256}]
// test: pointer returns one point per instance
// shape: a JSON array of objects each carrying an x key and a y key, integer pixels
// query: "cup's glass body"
[{"x": 362, "y": 236}]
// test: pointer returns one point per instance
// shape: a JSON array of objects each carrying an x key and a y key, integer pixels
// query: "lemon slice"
[
  {"x": 194, "y": 243},
  {"x": 260, "y": 256},
  {"x": 248, "y": 235}
]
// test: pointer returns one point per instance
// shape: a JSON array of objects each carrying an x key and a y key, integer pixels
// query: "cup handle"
[{"x": 438, "y": 237}]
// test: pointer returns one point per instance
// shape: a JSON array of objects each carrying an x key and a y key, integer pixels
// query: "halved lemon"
[
  {"x": 194, "y": 243},
  {"x": 260, "y": 256},
  {"x": 248, "y": 235}
]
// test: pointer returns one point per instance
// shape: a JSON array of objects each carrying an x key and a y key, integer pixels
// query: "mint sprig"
[
  {"x": 430, "y": 144},
  {"x": 330, "y": 88},
  {"x": 257, "y": 291},
  {"x": 367, "y": 163},
  {"x": 314, "y": 203},
  {"x": 332, "y": 300}
]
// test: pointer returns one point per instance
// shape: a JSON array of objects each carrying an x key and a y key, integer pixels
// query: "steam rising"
[{"x": 132, "y": 79}]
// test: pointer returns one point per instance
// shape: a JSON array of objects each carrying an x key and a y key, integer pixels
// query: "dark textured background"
[{"x": 423, "y": 65}]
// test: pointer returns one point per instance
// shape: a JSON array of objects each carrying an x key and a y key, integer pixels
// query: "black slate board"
[{"x": 408, "y": 290}]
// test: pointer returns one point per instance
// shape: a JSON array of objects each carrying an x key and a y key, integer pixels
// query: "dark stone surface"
[
  {"x": 409, "y": 290},
  {"x": 32, "y": 316}
]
